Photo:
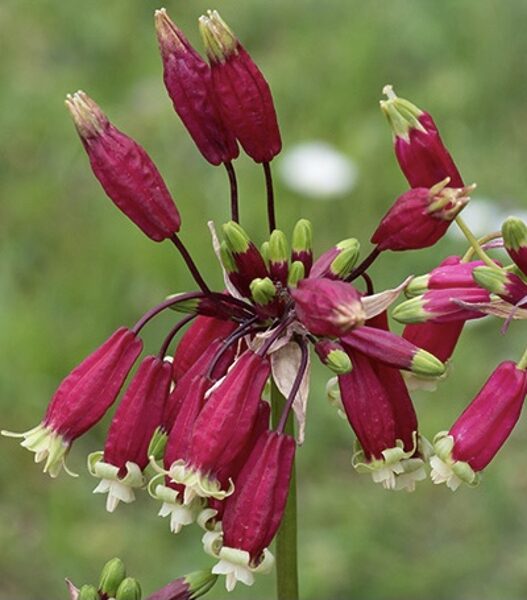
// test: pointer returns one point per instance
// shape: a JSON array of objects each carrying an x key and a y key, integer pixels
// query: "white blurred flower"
[{"x": 316, "y": 169}]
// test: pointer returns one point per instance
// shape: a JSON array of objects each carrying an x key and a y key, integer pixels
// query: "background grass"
[{"x": 72, "y": 270}]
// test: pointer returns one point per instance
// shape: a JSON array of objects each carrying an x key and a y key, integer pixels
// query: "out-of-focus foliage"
[{"x": 72, "y": 269}]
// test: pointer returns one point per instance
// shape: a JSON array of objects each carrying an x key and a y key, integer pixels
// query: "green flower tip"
[
  {"x": 88, "y": 592},
  {"x": 424, "y": 363},
  {"x": 514, "y": 232},
  {"x": 411, "y": 311},
  {"x": 263, "y": 290},
  {"x": 302, "y": 236},
  {"x": 402, "y": 115},
  {"x": 493, "y": 280},
  {"x": 339, "y": 362},
  {"x": 219, "y": 40},
  {"x": 297, "y": 272},
  {"x": 278, "y": 247},
  {"x": 112, "y": 576},
  {"x": 343, "y": 263},
  {"x": 417, "y": 286},
  {"x": 237, "y": 240},
  {"x": 199, "y": 583},
  {"x": 129, "y": 589}
]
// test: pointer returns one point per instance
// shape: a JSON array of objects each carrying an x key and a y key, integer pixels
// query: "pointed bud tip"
[
  {"x": 263, "y": 290},
  {"x": 339, "y": 362},
  {"x": 112, "y": 575},
  {"x": 514, "y": 232},
  {"x": 302, "y": 236},
  {"x": 219, "y": 40},
  {"x": 493, "y": 280},
  {"x": 424, "y": 363},
  {"x": 129, "y": 589},
  {"x": 87, "y": 116}
]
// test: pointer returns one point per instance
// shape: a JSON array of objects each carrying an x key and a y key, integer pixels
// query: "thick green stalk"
[
  {"x": 286, "y": 540},
  {"x": 522, "y": 363}
]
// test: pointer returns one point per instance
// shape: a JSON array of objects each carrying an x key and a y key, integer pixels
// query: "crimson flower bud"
[
  {"x": 420, "y": 217},
  {"x": 188, "y": 81},
  {"x": 120, "y": 467},
  {"x": 384, "y": 422},
  {"x": 301, "y": 245},
  {"x": 393, "y": 350},
  {"x": 125, "y": 170},
  {"x": 328, "y": 308},
  {"x": 514, "y": 232},
  {"x": 441, "y": 306},
  {"x": 448, "y": 274},
  {"x": 278, "y": 255},
  {"x": 189, "y": 587},
  {"x": 198, "y": 337},
  {"x": 223, "y": 427},
  {"x": 421, "y": 154},
  {"x": 245, "y": 261},
  {"x": 505, "y": 284},
  {"x": 242, "y": 93},
  {"x": 254, "y": 512},
  {"x": 82, "y": 399},
  {"x": 333, "y": 355},
  {"x": 338, "y": 261},
  {"x": 482, "y": 429}
]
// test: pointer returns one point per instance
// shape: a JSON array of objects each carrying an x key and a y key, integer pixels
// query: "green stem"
[
  {"x": 474, "y": 243},
  {"x": 522, "y": 363},
  {"x": 482, "y": 240},
  {"x": 286, "y": 540}
]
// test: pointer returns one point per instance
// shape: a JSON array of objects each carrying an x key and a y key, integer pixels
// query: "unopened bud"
[
  {"x": 263, "y": 291},
  {"x": 301, "y": 247},
  {"x": 333, "y": 355},
  {"x": 342, "y": 265},
  {"x": 505, "y": 284},
  {"x": 189, "y": 587},
  {"x": 88, "y": 592},
  {"x": 278, "y": 256},
  {"x": 296, "y": 273},
  {"x": 514, "y": 232},
  {"x": 264, "y": 251},
  {"x": 112, "y": 576},
  {"x": 129, "y": 590}
]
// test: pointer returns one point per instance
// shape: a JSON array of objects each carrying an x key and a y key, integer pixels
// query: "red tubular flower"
[
  {"x": 421, "y": 154},
  {"x": 442, "y": 306},
  {"x": 125, "y": 170},
  {"x": 482, "y": 429},
  {"x": 381, "y": 420},
  {"x": 82, "y": 399},
  {"x": 198, "y": 337},
  {"x": 254, "y": 512},
  {"x": 223, "y": 427},
  {"x": 125, "y": 455},
  {"x": 188, "y": 81},
  {"x": 326, "y": 307},
  {"x": 198, "y": 369},
  {"x": 393, "y": 351},
  {"x": 514, "y": 232},
  {"x": 172, "y": 493},
  {"x": 451, "y": 273},
  {"x": 210, "y": 518},
  {"x": 242, "y": 93},
  {"x": 420, "y": 217}
]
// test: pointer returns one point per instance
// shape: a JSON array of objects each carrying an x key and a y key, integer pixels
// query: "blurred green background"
[{"x": 72, "y": 269}]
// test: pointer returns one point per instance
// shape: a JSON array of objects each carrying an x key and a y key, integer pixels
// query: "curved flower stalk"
[{"x": 201, "y": 418}]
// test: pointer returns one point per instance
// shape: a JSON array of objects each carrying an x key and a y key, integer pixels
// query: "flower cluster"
[{"x": 193, "y": 427}]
